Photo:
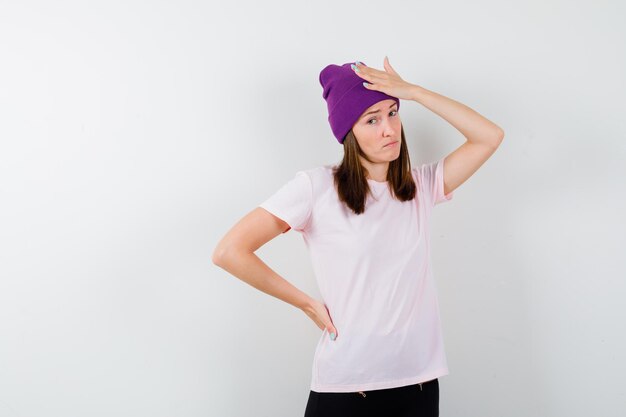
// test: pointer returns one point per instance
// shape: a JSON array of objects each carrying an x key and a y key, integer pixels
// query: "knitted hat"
[{"x": 346, "y": 97}]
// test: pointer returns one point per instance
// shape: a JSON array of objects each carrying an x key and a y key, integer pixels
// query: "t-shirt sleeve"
[
  {"x": 431, "y": 182},
  {"x": 293, "y": 202}
]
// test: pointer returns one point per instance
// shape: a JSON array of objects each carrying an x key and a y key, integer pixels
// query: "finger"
[
  {"x": 367, "y": 70},
  {"x": 332, "y": 332},
  {"x": 371, "y": 78},
  {"x": 374, "y": 76},
  {"x": 361, "y": 71},
  {"x": 329, "y": 326},
  {"x": 388, "y": 66},
  {"x": 390, "y": 69},
  {"x": 369, "y": 86}
]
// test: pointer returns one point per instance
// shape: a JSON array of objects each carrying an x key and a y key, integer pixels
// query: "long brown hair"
[{"x": 350, "y": 176}]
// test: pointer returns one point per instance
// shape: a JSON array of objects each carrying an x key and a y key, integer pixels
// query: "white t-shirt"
[{"x": 374, "y": 274}]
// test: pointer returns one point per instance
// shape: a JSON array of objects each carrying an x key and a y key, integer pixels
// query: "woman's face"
[{"x": 377, "y": 128}]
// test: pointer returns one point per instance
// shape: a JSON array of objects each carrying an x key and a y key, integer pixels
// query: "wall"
[{"x": 135, "y": 134}]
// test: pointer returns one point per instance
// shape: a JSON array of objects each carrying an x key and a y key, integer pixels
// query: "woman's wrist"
[
  {"x": 419, "y": 93},
  {"x": 307, "y": 303}
]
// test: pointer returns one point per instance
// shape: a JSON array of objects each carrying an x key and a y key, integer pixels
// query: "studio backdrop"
[{"x": 135, "y": 134}]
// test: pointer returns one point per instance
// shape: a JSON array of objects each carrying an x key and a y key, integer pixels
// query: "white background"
[{"x": 134, "y": 134}]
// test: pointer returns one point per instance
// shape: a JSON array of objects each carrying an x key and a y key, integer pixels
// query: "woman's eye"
[{"x": 393, "y": 111}]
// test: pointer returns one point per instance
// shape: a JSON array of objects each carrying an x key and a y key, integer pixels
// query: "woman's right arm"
[{"x": 235, "y": 254}]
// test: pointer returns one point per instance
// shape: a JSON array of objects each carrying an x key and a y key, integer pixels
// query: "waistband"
[{"x": 363, "y": 393}]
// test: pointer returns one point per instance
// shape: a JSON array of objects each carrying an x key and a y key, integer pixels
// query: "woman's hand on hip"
[{"x": 318, "y": 312}]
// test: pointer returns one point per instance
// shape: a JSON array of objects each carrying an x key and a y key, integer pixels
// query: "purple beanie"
[{"x": 346, "y": 97}]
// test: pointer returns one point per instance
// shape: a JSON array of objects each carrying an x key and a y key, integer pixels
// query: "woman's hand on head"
[
  {"x": 318, "y": 312},
  {"x": 387, "y": 81}
]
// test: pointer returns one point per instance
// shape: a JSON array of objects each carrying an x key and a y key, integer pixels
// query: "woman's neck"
[{"x": 376, "y": 171}]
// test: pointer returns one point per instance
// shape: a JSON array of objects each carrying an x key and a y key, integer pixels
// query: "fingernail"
[{"x": 333, "y": 336}]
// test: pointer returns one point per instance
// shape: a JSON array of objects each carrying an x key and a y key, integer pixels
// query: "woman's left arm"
[
  {"x": 483, "y": 136},
  {"x": 476, "y": 128}
]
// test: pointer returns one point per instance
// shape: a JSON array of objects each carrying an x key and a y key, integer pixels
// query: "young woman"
[{"x": 366, "y": 224}]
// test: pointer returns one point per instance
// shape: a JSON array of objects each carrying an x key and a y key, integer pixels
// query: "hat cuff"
[{"x": 354, "y": 105}]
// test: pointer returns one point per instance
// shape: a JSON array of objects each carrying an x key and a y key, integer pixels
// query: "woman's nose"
[{"x": 388, "y": 128}]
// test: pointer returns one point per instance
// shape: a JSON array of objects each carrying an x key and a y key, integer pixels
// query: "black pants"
[{"x": 407, "y": 401}]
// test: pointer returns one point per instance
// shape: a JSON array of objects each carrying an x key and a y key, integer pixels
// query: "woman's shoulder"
[
  {"x": 320, "y": 172},
  {"x": 320, "y": 178}
]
